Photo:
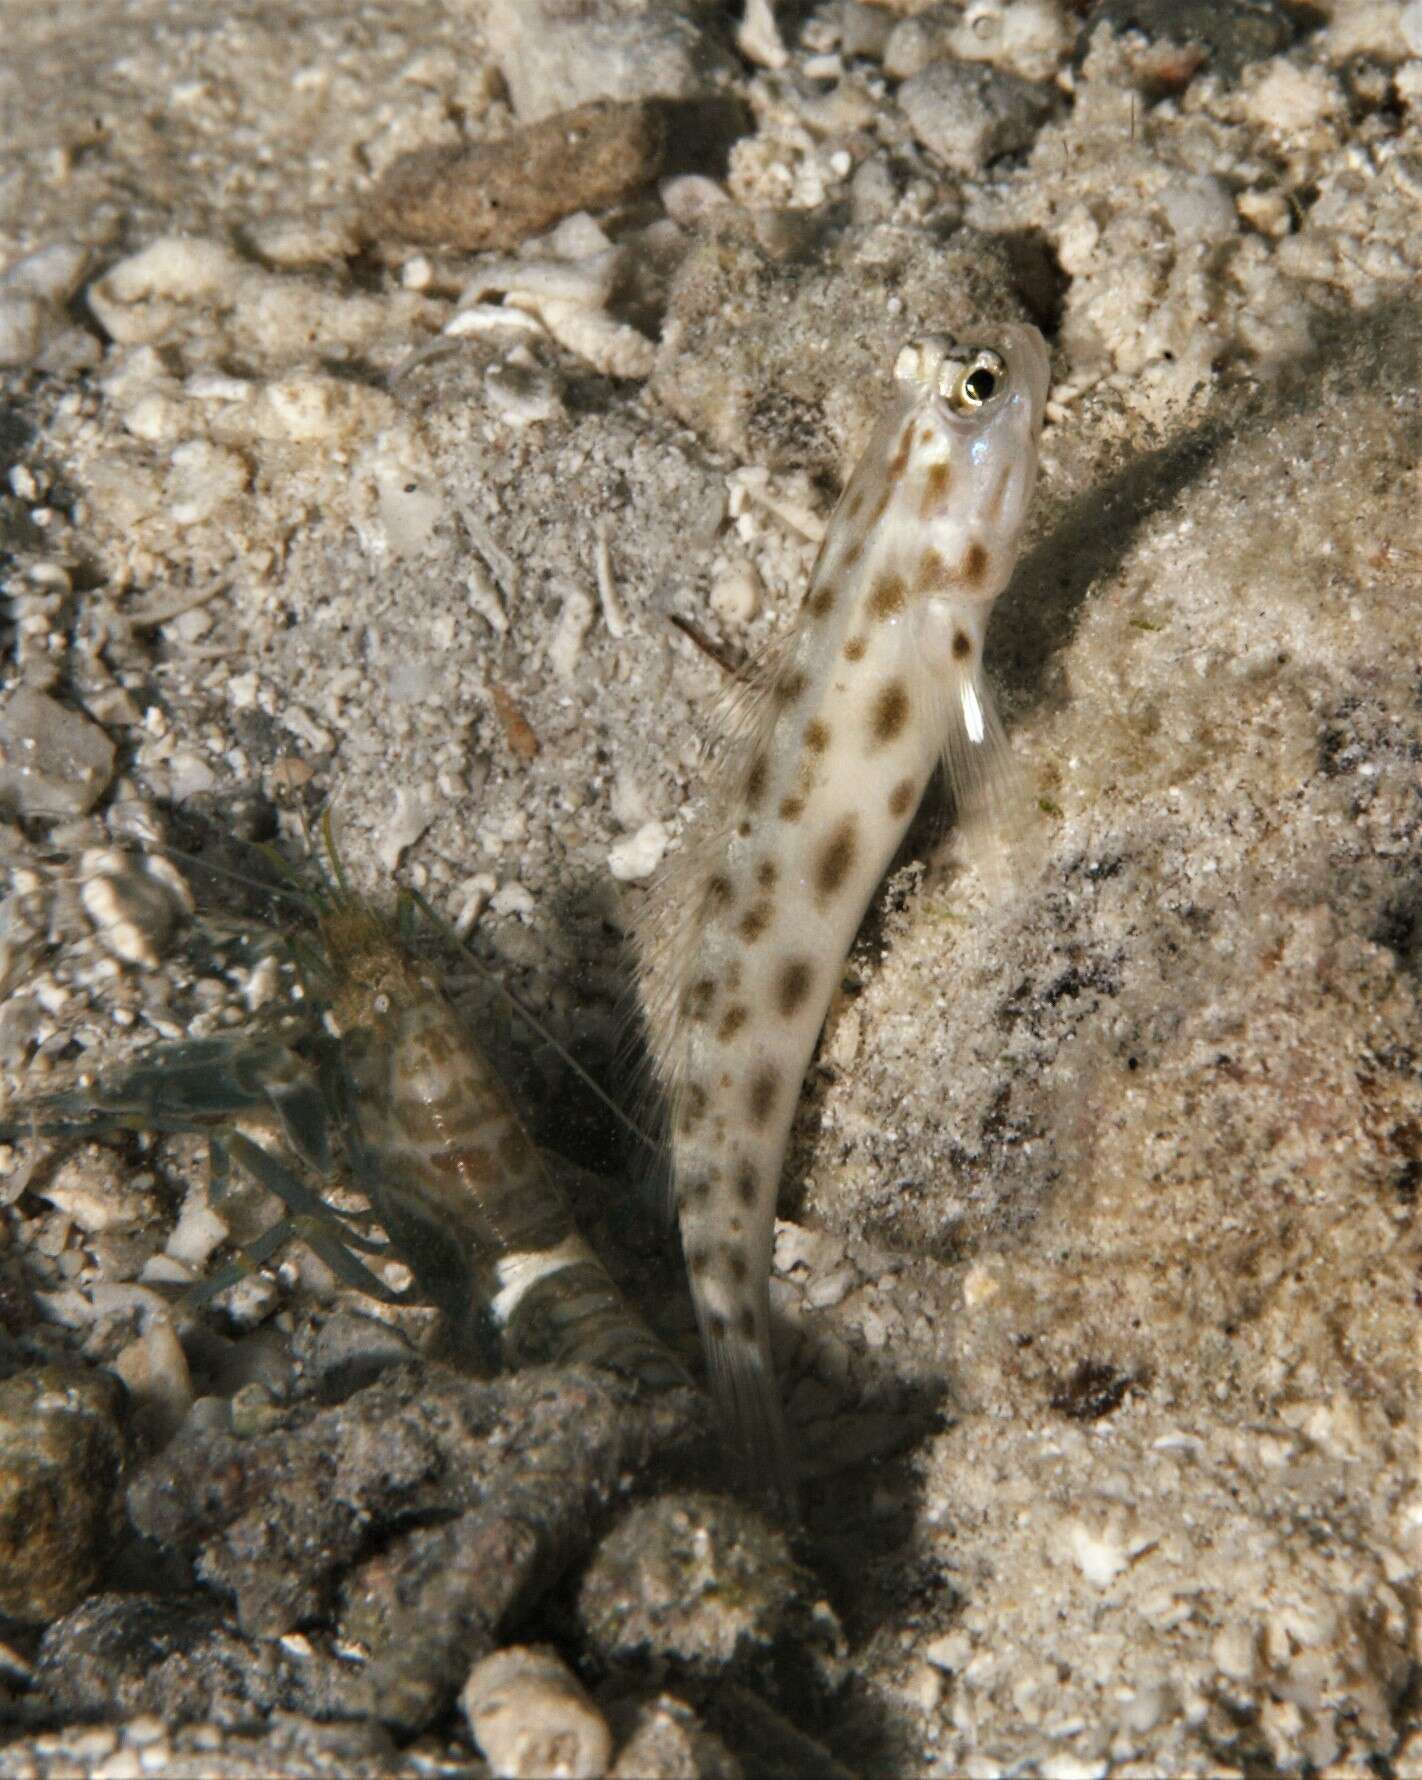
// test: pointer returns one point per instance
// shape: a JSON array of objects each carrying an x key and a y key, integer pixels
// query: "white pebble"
[
  {"x": 574, "y": 623},
  {"x": 250, "y": 1301},
  {"x": 476, "y": 892},
  {"x": 484, "y": 597},
  {"x": 198, "y": 1231},
  {"x": 1100, "y": 1556},
  {"x": 952, "y": 1652},
  {"x": 609, "y": 346},
  {"x": 23, "y": 328},
  {"x": 513, "y": 898},
  {"x": 138, "y": 299},
  {"x": 155, "y": 1370},
  {"x": 409, "y": 820},
  {"x": 202, "y": 478},
  {"x": 758, "y": 36},
  {"x": 50, "y": 273},
  {"x": 586, "y": 282},
  {"x": 736, "y": 595},
  {"x": 687, "y": 197},
  {"x": 531, "y": 1718},
  {"x": 831, "y": 1289},
  {"x": 640, "y": 854},
  {"x": 613, "y": 616}
]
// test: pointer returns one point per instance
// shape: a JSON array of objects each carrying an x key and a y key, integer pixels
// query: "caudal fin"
[{"x": 747, "y": 1398}]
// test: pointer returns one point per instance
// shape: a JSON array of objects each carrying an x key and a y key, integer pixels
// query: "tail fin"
[{"x": 747, "y": 1400}]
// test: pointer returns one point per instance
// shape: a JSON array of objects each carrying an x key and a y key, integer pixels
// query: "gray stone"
[
  {"x": 554, "y": 54},
  {"x": 53, "y": 761},
  {"x": 966, "y": 113},
  {"x": 703, "y": 1581},
  {"x": 915, "y": 42},
  {"x": 348, "y": 1351},
  {"x": 665, "y": 1737}
]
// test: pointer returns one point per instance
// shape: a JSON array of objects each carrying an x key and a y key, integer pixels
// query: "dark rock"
[
  {"x": 496, "y": 194},
  {"x": 61, "y": 1458},
  {"x": 475, "y": 1497},
  {"x": 117, "y": 1656},
  {"x": 1230, "y": 33}
]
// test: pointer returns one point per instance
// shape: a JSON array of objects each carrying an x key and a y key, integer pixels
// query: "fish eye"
[
  {"x": 979, "y": 382},
  {"x": 381, "y": 1004},
  {"x": 979, "y": 386}
]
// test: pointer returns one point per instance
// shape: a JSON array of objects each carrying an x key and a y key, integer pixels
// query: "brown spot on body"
[
  {"x": 817, "y": 736},
  {"x": 756, "y": 780},
  {"x": 745, "y": 1322},
  {"x": 836, "y": 857},
  {"x": 854, "y": 649},
  {"x": 791, "y": 809},
  {"x": 962, "y": 645},
  {"x": 731, "y": 1022},
  {"x": 881, "y": 506},
  {"x": 716, "y": 1327},
  {"x": 693, "y": 1107},
  {"x": 754, "y": 921},
  {"x": 766, "y": 873},
  {"x": 889, "y": 712},
  {"x": 925, "y": 434},
  {"x": 901, "y": 798},
  {"x": 935, "y": 489},
  {"x": 697, "y": 1262},
  {"x": 790, "y": 686},
  {"x": 973, "y": 569},
  {"x": 760, "y": 1096},
  {"x": 699, "y": 998},
  {"x": 887, "y": 597},
  {"x": 852, "y": 554},
  {"x": 898, "y": 463},
  {"x": 821, "y": 601},
  {"x": 793, "y": 986},
  {"x": 932, "y": 572},
  {"x": 694, "y": 1194},
  {"x": 746, "y": 1185},
  {"x": 737, "y": 1265},
  {"x": 744, "y": 830}
]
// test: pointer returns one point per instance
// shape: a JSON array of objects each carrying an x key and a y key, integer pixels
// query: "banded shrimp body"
[
  {"x": 879, "y": 680},
  {"x": 368, "y": 1075}
]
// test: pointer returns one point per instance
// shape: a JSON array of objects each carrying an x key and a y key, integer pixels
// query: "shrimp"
[{"x": 381, "y": 1080}]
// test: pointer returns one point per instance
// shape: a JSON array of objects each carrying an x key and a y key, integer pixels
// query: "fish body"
[{"x": 880, "y": 679}]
